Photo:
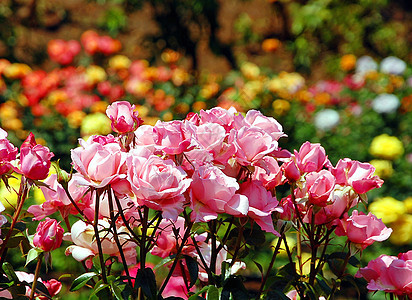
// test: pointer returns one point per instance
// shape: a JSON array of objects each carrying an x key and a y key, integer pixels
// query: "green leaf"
[
  {"x": 147, "y": 281},
  {"x": 20, "y": 226},
  {"x": 255, "y": 236},
  {"x": 8, "y": 269},
  {"x": 259, "y": 266},
  {"x": 234, "y": 286},
  {"x": 212, "y": 293},
  {"x": 193, "y": 268},
  {"x": 275, "y": 294},
  {"x": 81, "y": 281},
  {"x": 323, "y": 284},
  {"x": 32, "y": 255},
  {"x": 196, "y": 296},
  {"x": 164, "y": 261},
  {"x": 120, "y": 289},
  {"x": 101, "y": 290}
]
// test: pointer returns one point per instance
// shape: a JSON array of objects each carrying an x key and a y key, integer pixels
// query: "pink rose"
[
  {"x": 219, "y": 116},
  {"x": 268, "y": 172},
  {"x": 364, "y": 230},
  {"x": 255, "y": 118},
  {"x": 8, "y": 153},
  {"x": 400, "y": 274},
  {"x": 85, "y": 245},
  {"x": 261, "y": 204},
  {"x": 53, "y": 287},
  {"x": 57, "y": 199},
  {"x": 49, "y": 235},
  {"x": 123, "y": 116},
  {"x": 159, "y": 184},
  {"x": 357, "y": 175},
  {"x": 34, "y": 159},
  {"x": 320, "y": 186},
  {"x": 291, "y": 170},
  {"x": 212, "y": 192},
  {"x": 100, "y": 164},
  {"x": 176, "y": 287},
  {"x": 252, "y": 144},
  {"x": 311, "y": 158},
  {"x": 174, "y": 137}
]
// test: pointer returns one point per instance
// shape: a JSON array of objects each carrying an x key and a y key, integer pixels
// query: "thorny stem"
[
  {"x": 212, "y": 227},
  {"x": 66, "y": 189},
  {"x": 126, "y": 222},
  {"x": 97, "y": 237},
  {"x": 23, "y": 190},
  {"x": 225, "y": 237},
  {"x": 116, "y": 239},
  {"x": 237, "y": 247},
  {"x": 36, "y": 275},
  {"x": 176, "y": 260},
  {"x": 298, "y": 233},
  {"x": 272, "y": 262}
]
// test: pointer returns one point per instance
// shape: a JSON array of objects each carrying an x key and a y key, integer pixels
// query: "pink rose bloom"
[
  {"x": 34, "y": 159},
  {"x": 218, "y": 115},
  {"x": 357, "y": 175},
  {"x": 320, "y": 186},
  {"x": 261, "y": 204},
  {"x": 311, "y": 158},
  {"x": 268, "y": 172},
  {"x": 100, "y": 164},
  {"x": 255, "y": 118},
  {"x": 176, "y": 287},
  {"x": 57, "y": 199},
  {"x": 252, "y": 144},
  {"x": 212, "y": 192},
  {"x": 85, "y": 245},
  {"x": 8, "y": 153},
  {"x": 364, "y": 230},
  {"x": 123, "y": 116},
  {"x": 159, "y": 184},
  {"x": 49, "y": 235},
  {"x": 291, "y": 171},
  {"x": 53, "y": 287},
  {"x": 174, "y": 137},
  {"x": 340, "y": 201}
]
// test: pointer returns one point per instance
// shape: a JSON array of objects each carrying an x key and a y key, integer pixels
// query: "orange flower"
[
  {"x": 348, "y": 62},
  {"x": 270, "y": 45}
]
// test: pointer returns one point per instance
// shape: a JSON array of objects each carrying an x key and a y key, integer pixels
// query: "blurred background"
[{"x": 330, "y": 71}]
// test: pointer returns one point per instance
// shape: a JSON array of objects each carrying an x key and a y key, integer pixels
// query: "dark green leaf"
[
  {"x": 120, "y": 290},
  {"x": 235, "y": 287},
  {"x": 81, "y": 281},
  {"x": 277, "y": 295},
  {"x": 8, "y": 269},
  {"x": 147, "y": 281},
  {"x": 259, "y": 266},
  {"x": 323, "y": 284},
  {"x": 193, "y": 268},
  {"x": 20, "y": 226},
  {"x": 254, "y": 237},
  {"x": 101, "y": 290},
  {"x": 164, "y": 261},
  {"x": 196, "y": 295},
  {"x": 212, "y": 293}
]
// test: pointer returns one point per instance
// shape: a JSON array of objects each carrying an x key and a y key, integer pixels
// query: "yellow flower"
[
  {"x": 9, "y": 197},
  {"x": 388, "y": 209},
  {"x": 402, "y": 230},
  {"x": 99, "y": 106},
  {"x": 95, "y": 74},
  {"x": 16, "y": 70},
  {"x": 198, "y": 105},
  {"x": 142, "y": 110},
  {"x": 12, "y": 124},
  {"x": 75, "y": 118},
  {"x": 270, "y": 45},
  {"x": 250, "y": 70},
  {"x": 408, "y": 204},
  {"x": 383, "y": 168},
  {"x": 96, "y": 123},
  {"x": 386, "y": 147},
  {"x": 119, "y": 62},
  {"x": 167, "y": 116},
  {"x": 348, "y": 62},
  {"x": 281, "y": 107}
]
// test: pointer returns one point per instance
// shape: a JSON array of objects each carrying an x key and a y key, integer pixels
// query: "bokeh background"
[{"x": 330, "y": 71}]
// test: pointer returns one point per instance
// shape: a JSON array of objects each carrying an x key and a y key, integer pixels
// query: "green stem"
[
  {"x": 97, "y": 237},
  {"x": 23, "y": 190},
  {"x": 36, "y": 275}
]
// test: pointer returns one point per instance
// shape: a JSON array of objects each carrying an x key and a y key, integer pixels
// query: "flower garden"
[{"x": 124, "y": 178}]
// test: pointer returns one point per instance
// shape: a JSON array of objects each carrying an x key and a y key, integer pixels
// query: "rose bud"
[{"x": 49, "y": 235}]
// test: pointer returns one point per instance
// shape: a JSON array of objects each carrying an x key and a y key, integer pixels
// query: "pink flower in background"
[
  {"x": 34, "y": 159},
  {"x": 364, "y": 230},
  {"x": 357, "y": 175},
  {"x": 159, "y": 184},
  {"x": 63, "y": 52},
  {"x": 49, "y": 235},
  {"x": 311, "y": 158},
  {"x": 261, "y": 204},
  {"x": 123, "y": 116},
  {"x": 212, "y": 192},
  {"x": 8, "y": 153}
]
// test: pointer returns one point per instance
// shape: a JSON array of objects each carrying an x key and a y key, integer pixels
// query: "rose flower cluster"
[{"x": 142, "y": 190}]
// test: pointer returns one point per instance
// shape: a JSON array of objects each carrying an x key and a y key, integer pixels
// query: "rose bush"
[{"x": 202, "y": 197}]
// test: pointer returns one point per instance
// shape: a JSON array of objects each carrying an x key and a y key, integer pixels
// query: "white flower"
[
  {"x": 392, "y": 65},
  {"x": 326, "y": 119},
  {"x": 366, "y": 64},
  {"x": 385, "y": 103}
]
